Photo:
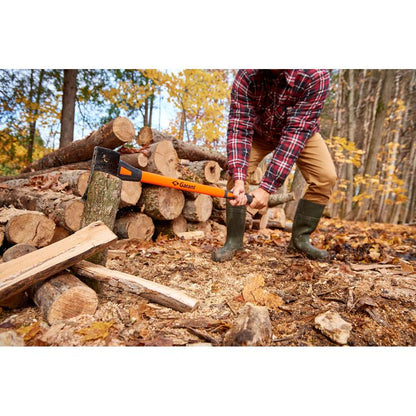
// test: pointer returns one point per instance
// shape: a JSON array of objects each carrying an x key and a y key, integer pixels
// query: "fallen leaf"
[
  {"x": 29, "y": 331},
  {"x": 253, "y": 292},
  {"x": 406, "y": 267},
  {"x": 95, "y": 331}
]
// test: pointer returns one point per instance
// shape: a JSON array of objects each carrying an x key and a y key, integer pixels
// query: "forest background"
[{"x": 368, "y": 123}]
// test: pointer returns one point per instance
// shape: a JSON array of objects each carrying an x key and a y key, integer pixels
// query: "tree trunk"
[
  {"x": 103, "y": 199},
  {"x": 113, "y": 134},
  {"x": 68, "y": 107},
  {"x": 135, "y": 225},
  {"x": 18, "y": 275},
  {"x": 64, "y": 297},
  {"x": 161, "y": 203},
  {"x": 64, "y": 209}
]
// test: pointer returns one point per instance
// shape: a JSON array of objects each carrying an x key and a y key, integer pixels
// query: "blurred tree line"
[{"x": 368, "y": 122}]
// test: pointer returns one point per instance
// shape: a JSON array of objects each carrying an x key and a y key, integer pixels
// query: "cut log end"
[
  {"x": 123, "y": 129},
  {"x": 65, "y": 297},
  {"x": 73, "y": 215}
]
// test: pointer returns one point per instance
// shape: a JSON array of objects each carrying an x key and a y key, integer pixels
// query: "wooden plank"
[
  {"x": 152, "y": 291},
  {"x": 19, "y": 274}
]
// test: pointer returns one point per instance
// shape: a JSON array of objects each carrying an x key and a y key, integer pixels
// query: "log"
[
  {"x": 184, "y": 150},
  {"x": 18, "y": 275},
  {"x": 204, "y": 226},
  {"x": 85, "y": 165},
  {"x": 204, "y": 171},
  {"x": 1, "y": 235},
  {"x": 115, "y": 133},
  {"x": 30, "y": 227},
  {"x": 218, "y": 215},
  {"x": 161, "y": 203},
  {"x": 64, "y": 209},
  {"x": 102, "y": 202},
  {"x": 147, "y": 289},
  {"x": 74, "y": 180},
  {"x": 135, "y": 225},
  {"x": 63, "y": 297},
  {"x": 162, "y": 159},
  {"x": 171, "y": 228},
  {"x": 199, "y": 209},
  {"x": 251, "y": 328},
  {"x": 277, "y": 217},
  {"x": 20, "y": 299},
  {"x": 261, "y": 223},
  {"x": 139, "y": 160}
]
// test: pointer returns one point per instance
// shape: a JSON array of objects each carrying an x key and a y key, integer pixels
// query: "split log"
[
  {"x": 171, "y": 228},
  {"x": 204, "y": 171},
  {"x": 30, "y": 227},
  {"x": 147, "y": 289},
  {"x": 135, "y": 225},
  {"x": 251, "y": 328},
  {"x": 184, "y": 150},
  {"x": 63, "y": 297},
  {"x": 64, "y": 209},
  {"x": 103, "y": 199},
  {"x": 19, "y": 274},
  {"x": 21, "y": 299},
  {"x": 198, "y": 209},
  {"x": 113, "y": 134},
  {"x": 161, "y": 203}
]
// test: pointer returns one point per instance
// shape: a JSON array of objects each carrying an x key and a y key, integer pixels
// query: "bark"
[
  {"x": 251, "y": 328},
  {"x": 149, "y": 290},
  {"x": 64, "y": 297},
  {"x": 184, "y": 150},
  {"x": 199, "y": 209},
  {"x": 161, "y": 203},
  {"x": 113, "y": 134},
  {"x": 204, "y": 171},
  {"x": 298, "y": 190},
  {"x": 103, "y": 199},
  {"x": 135, "y": 225},
  {"x": 68, "y": 107},
  {"x": 64, "y": 209},
  {"x": 18, "y": 275}
]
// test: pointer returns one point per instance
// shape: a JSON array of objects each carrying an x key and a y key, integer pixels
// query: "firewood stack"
[{"x": 43, "y": 206}]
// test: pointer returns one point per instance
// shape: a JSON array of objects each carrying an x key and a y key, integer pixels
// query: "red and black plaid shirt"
[{"x": 283, "y": 109}]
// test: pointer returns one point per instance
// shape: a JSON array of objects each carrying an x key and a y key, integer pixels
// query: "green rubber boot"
[
  {"x": 305, "y": 222},
  {"x": 236, "y": 220}
]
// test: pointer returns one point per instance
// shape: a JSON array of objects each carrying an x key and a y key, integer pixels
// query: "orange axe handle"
[{"x": 126, "y": 172}]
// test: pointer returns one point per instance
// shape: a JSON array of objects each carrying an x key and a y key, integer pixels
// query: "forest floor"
[{"x": 370, "y": 282}]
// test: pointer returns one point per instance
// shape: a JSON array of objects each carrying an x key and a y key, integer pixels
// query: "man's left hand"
[{"x": 260, "y": 198}]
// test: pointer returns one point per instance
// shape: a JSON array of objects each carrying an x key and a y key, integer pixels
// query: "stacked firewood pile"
[{"x": 43, "y": 209}]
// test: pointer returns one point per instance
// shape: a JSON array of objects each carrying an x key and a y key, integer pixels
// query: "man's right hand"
[{"x": 239, "y": 194}]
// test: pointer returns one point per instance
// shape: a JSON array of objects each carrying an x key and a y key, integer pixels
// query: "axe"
[{"x": 108, "y": 161}]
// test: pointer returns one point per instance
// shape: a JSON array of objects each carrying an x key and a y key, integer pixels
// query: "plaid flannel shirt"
[{"x": 281, "y": 109}]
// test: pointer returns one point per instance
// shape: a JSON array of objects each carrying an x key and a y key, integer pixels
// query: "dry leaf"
[
  {"x": 95, "y": 331},
  {"x": 253, "y": 292},
  {"x": 29, "y": 331},
  {"x": 406, "y": 267}
]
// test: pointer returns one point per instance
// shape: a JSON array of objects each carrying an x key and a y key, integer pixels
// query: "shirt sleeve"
[
  {"x": 240, "y": 126},
  {"x": 302, "y": 122}
]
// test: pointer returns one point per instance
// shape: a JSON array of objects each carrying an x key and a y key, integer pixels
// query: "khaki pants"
[{"x": 314, "y": 162}]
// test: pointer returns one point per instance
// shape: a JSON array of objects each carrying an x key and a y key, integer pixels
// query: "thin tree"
[{"x": 68, "y": 107}]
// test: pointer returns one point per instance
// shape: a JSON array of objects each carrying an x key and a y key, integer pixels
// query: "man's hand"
[
  {"x": 260, "y": 198},
  {"x": 239, "y": 194}
]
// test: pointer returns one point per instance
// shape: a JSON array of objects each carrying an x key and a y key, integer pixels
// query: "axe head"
[{"x": 108, "y": 161}]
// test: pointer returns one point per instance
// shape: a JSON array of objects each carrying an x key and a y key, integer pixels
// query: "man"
[{"x": 277, "y": 111}]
